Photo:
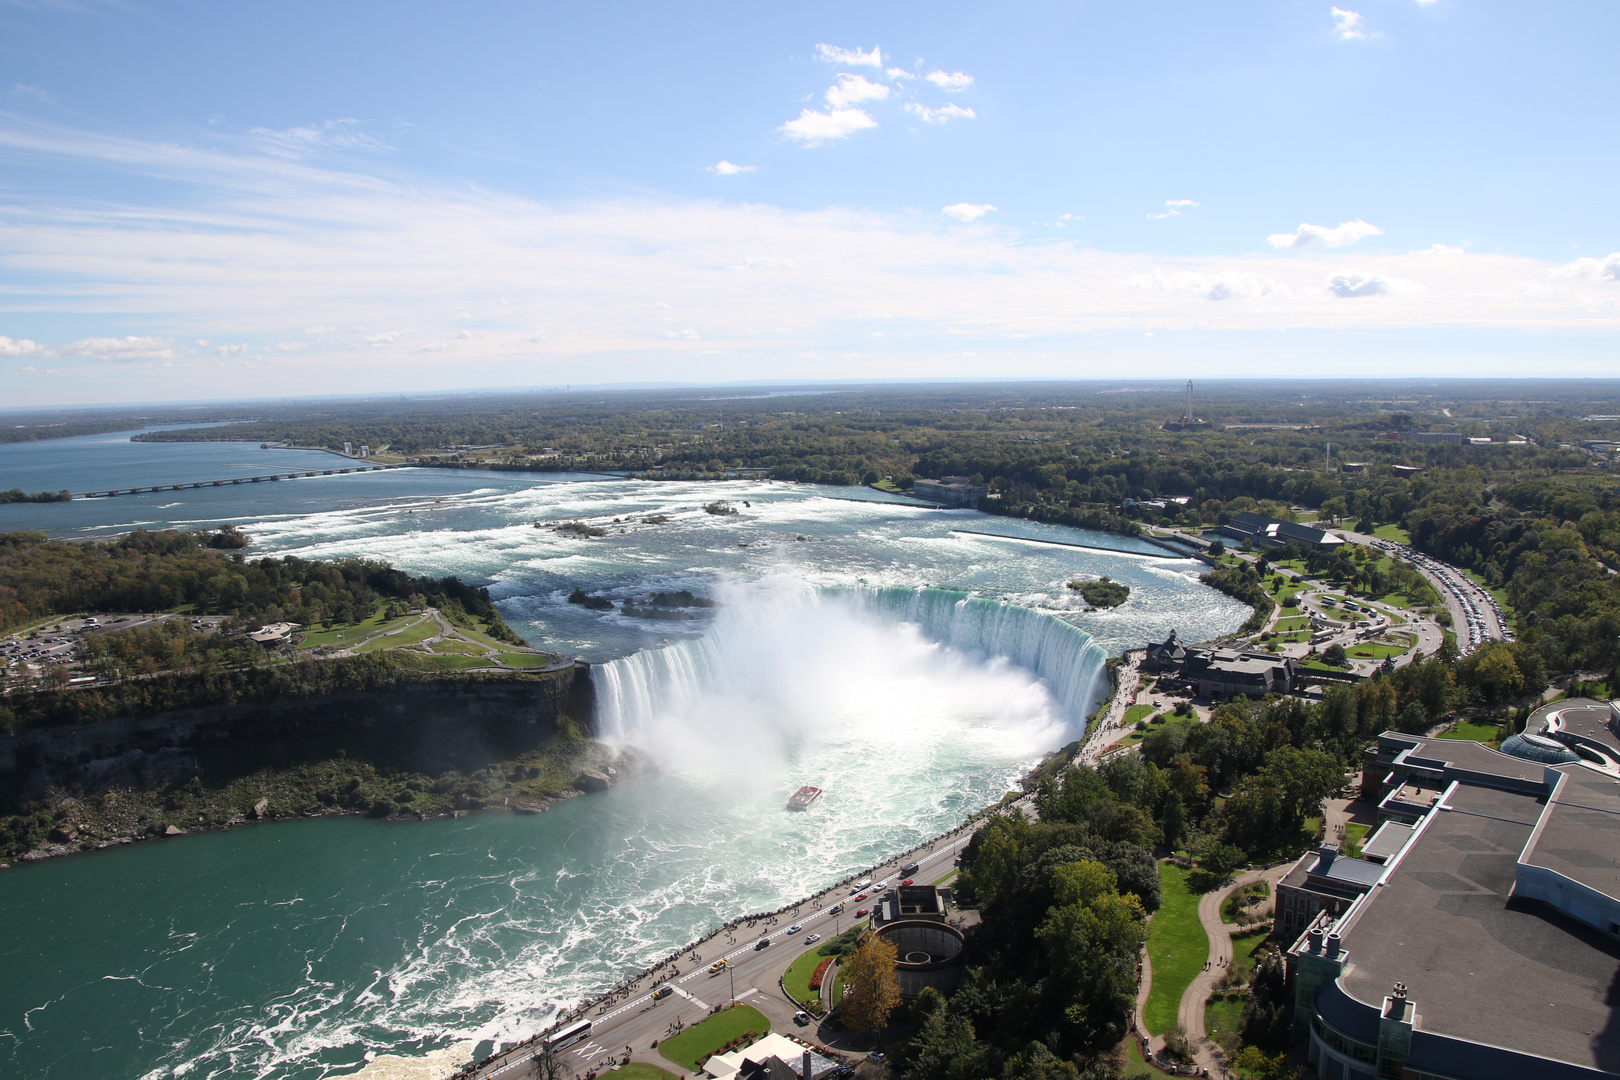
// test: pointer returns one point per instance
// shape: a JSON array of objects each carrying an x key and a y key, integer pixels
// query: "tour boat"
[{"x": 801, "y": 799}]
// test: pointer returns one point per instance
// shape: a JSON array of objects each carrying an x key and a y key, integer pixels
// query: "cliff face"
[{"x": 430, "y": 726}]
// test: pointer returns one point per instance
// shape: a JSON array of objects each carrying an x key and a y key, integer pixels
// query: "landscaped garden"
[
  {"x": 1473, "y": 732},
  {"x": 1177, "y": 948},
  {"x": 698, "y": 1043}
]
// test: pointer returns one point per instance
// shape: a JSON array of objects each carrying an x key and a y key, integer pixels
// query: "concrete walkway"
[{"x": 1190, "y": 1014}]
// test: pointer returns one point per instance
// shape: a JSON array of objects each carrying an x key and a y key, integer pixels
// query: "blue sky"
[{"x": 207, "y": 200}]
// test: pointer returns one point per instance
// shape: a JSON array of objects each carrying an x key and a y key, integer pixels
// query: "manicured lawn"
[
  {"x": 525, "y": 659},
  {"x": 458, "y": 663},
  {"x": 349, "y": 633},
  {"x": 1177, "y": 947},
  {"x": 703, "y": 1039},
  {"x": 1137, "y": 736},
  {"x": 797, "y": 978},
  {"x": 1354, "y": 834},
  {"x": 1291, "y": 623},
  {"x": 421, "y": 631},
  {"x": 1392, "y": 532},
  {"x": 1223, "y": 1017},
  {"x": 1472, "y": 732},
  {"x": 1372, "y": 650},
  {"x": 466, "y": 648},
  {"x": 1133, "y": 713},
  {"x": 638, "y": 1070}
]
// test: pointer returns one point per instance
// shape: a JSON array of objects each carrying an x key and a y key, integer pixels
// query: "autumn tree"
[{"x": 871, "y": 990}]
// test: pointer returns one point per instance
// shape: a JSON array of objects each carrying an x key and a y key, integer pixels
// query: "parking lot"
[{"x": 35, "y": 651}]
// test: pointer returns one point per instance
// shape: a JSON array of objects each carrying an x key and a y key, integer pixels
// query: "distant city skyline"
[{"x": 232, "y": 202}]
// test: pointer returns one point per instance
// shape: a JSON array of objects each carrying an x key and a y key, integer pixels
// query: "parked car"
[
  {"x": 877, "y": 1056},
  {"x": 801, "y": 1018}
]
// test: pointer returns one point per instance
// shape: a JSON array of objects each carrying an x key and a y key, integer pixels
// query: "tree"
[
  {"x": 1335, "y": 655},
  {"x": 871, "y": 990},
  {"x": 1217, "y": 549}
]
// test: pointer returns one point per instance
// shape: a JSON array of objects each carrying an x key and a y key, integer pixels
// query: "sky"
[{"x": 204, "y": 200}]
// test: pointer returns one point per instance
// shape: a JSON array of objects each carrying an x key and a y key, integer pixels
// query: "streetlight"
[{"x": 732, "y": 973}]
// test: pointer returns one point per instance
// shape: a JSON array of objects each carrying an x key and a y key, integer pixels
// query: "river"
[{"x": 859, "y": 643}]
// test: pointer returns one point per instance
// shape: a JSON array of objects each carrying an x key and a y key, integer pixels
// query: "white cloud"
[
  {"x": 1348, "y": 284},
  {"x": 1605, "y": 271},
  {"x": 32, "y": 370},
  {"x": 18, "y": 347},
  {"x": 950, "y": 80},
  {"x": 940, "y": 115},
  {"x": 123, "y": 349},
  {"x": 1347, "y": 24},
  {"x": 1221, "y": 285},
  {"x": 687, "y": 334},
  {"x": 387, "y": 337},
  {"x": 1308, "y": 235},
  {"x": 319, "y": 329},
  {"x": 813, "y": 128},
  {"x": 292, "y": 346},
  {"x": 766, "y": 262},
  {"x": 231, "y": 350},
  {"x": 432, "y": 347},
  {"x": 964, "y": 211},
  {"x": 854, "y": 89},
  {"x": 898, "y": 73},
  {"x": 1174, "y": 208},
  {"x": 300, "y": 142},
  {"x": 726, "y": 168},
  {"x": 853, "y": 57}
]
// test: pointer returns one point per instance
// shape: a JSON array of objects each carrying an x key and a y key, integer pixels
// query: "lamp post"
[{"x": 732, "y": 973}]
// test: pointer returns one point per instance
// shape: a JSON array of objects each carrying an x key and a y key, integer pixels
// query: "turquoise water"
[{"x": 298, "y": 950}]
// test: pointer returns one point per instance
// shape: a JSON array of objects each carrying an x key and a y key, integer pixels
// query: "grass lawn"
[
  {"x": 1223, "y": 1015},
  {"x": 466, "y": 648},
  {"x": 1354, "y": 834},
  {"x": 421, "y": 631},
  {"x": 525, "y": 659},
  {"x": 638, "y": 1070},
  {"x": 1169, "y": 718},
  {"x": 1177, "y": 947},
  {"x": 1372, "y": 650},
  {"x": 348, "y": 633},
  {"x": 457, "y": 663},
  {"x": 1289, "y": 623},
  {"x": 703, "y": 1039},
  {"x": 797, "y": 978},
  {"x": 1392, "y": 532},
  {"x": 1472, "y": 732},
  {"x": 1133, "y": 713}
]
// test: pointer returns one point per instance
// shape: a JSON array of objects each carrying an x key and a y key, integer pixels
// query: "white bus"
[{"x": 568, "y": 1036}]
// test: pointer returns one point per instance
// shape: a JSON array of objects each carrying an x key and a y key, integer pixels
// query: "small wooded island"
[{"x": 1104, "y": 592}]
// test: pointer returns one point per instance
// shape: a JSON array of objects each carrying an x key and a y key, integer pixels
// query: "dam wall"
[{"x": 432, "y": 725}]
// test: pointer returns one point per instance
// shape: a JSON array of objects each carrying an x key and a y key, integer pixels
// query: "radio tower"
[{"x": 1189, "y": 417}]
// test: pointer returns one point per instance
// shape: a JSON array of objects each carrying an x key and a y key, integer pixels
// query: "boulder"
[
  {"x": 260, "y": 807},
  {"x": 593, "y": 781},
  {"x": 174, "y": 830}
]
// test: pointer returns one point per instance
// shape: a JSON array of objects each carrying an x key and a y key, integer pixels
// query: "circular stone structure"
[{"x": 928, "y": 954}]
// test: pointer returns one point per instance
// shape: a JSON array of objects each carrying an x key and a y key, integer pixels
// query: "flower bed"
[{"x": 820, "y": 974}]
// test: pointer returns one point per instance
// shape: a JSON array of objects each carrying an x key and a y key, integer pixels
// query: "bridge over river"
[{"x": 107, "y": 493}]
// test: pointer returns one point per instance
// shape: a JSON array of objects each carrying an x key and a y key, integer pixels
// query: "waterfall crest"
[{"x": 727, "y": 659}]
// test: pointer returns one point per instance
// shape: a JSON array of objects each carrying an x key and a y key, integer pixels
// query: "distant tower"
[
  {"x": 1189, "y": 417},
  {"x": 1327, "y": 462}
]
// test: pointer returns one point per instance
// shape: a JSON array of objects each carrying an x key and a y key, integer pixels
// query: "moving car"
[
  {"x": 836, "y": 909},
  {"x": 910, "y": 868},
  {"x": 861, "y": 897},
  {"x": 717, "y": 967},
  {"x": 801, "y": 1018},
  {"x": 812, "y": 939},
  {"x": 761, "y": 943},
  {"x": 862, "y": 911},
  {"x": 908, "y": 881},
  {"x": 662, "y": 992},
  {"x": 795, "y": 928}
]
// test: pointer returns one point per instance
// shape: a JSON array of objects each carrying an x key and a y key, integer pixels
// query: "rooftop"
[
  {"x": 1580, "y": 837},
  {"x": 1479, "y": 964}
]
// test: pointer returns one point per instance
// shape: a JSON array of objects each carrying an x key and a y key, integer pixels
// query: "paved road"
[
  {"x": 633, "y": 1019},
  {"x": 1475, "y": 616}
]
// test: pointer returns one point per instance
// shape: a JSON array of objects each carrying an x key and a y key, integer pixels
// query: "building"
[
  {"x": 1487, "y": 945},
  {"x": 1321, "y": 881},
  {"x": 1262, "y": 531},
  {"x": 929, "y": 953},
  {"x": 275, "y": 634},
  {"x": 950, "y": 490},
  {"x": 775, "y": 1057},
  {"x": 1217, "y": 672},
  {"x": 910, "y": 902},
  {"x": 1435, "y": 437}
]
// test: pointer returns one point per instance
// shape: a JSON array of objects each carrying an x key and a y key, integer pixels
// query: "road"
[
  {"x": 1475, "y": 616},
  {"x": 631, "y": 1018}
]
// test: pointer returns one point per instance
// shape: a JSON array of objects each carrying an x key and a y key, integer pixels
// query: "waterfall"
[{"x": 770, "y": 633}]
